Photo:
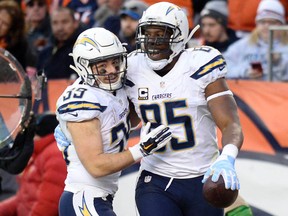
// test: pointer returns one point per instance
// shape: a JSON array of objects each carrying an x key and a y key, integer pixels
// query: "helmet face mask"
[
  {"x": 156, "y": 41},
  {"x": 106, "y": 79},
  {"x": 94, "y": 50},
  {"x": 172, "y": 19}
]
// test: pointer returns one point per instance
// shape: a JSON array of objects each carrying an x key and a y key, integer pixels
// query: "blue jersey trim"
[
  {"x": 217, "y": 62},
  {"x": 129, "y": 83}
]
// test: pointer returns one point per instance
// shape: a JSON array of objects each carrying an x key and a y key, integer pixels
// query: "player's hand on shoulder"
[
  {"x": 224, "y": 165},
  {"x": 151, "y": 142}
]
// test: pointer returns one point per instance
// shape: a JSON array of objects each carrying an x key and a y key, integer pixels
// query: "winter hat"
[
  {"x": 216, "y": 9},
  {"x": 271, "y": 9},
  {"x": 45, "y": 123},
  {"x": 133, "y": 9},
  {"x": 27, "y": 2}
]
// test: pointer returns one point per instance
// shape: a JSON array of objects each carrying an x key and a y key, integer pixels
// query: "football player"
[
  {"x": 186, "y": 90},
  {"x": 93, "y": 115}
]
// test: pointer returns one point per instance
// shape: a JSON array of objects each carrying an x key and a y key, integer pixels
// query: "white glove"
[{"x": 150, "y": 142}]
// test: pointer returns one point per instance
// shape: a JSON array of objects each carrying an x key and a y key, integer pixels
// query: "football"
[{"x": 217, "y": 195}]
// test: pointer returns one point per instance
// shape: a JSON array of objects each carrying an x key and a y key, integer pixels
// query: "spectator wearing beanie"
[
  {"x": 248, "y": 57},
  {"x": 213, "y": 22},
  {"x": 42, "y": 181},
  {"x": 242, "y": 15}
]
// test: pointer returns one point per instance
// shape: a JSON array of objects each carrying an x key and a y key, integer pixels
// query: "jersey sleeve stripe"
[
  {"x": 80, "y": 105},
  {"x": 217, "y": 62}
]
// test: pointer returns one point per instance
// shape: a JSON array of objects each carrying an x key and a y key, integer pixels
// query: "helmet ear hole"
[{"x": 84, "y": 62}]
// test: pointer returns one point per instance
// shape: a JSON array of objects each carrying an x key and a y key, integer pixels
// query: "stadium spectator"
[
  {"x": 37, "y": 21},
  {"x": 198, "y": 6},
  {"x": 48, "y": 4},
  {"x": 102, "y": 13},
  {"x": 54, "y": 60},
  {"x": 84, "y": 10},
  {"x": 248, "y": 57},
  {"x": 42, "y": 181},
  {"x": 107, "y": 15},
  {"x": 242, "y": 15},
  {"x": 214, "y": 30},
  {"x": 130, "y": 13},
  {"x": 12, "y": 35}
]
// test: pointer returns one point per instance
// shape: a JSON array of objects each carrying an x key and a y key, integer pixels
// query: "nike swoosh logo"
[
  {"x": 147, "y": 147},
  {"x": 74, "y": 114},
  {"x": 221, "y": 68}
]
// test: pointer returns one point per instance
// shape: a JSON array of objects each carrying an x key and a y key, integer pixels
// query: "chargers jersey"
[
  {"x": 178, "y": 100},
  {"x": 81, "y": 102}
]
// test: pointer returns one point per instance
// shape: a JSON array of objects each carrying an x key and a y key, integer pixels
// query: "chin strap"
[
  {"x": 192, "y": 33},
  {"x": 72, "y": 66},
  {"x": 185, "y": 42}
]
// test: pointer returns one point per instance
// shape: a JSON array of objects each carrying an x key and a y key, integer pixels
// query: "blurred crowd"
[{"x": 41, "y": 35}]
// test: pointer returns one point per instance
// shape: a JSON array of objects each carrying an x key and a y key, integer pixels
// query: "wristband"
[
  {"x": 230, "y": 150},
  {"x": 136, "y": 152}
]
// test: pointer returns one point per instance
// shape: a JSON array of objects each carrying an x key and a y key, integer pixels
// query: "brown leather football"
[{"x": 217, "y": 195}]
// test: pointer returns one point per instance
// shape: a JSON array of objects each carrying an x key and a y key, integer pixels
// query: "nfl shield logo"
[
  {"x": 162, "y": 84},
  {"x": 147, "y": 179}
]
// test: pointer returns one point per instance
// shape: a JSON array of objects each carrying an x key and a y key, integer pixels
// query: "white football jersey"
[
  {"x": 81, "y": 102},
  {"x": 178, "y": 100}
]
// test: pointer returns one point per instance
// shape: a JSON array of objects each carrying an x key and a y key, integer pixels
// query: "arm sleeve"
[{"x": 211, "y": 66}]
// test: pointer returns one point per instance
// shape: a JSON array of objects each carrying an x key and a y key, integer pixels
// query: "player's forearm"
[
  {"x": 233, "y": 135},
  {"x": 106, "y": 164},
  {"x": 224, "y": 112}
]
